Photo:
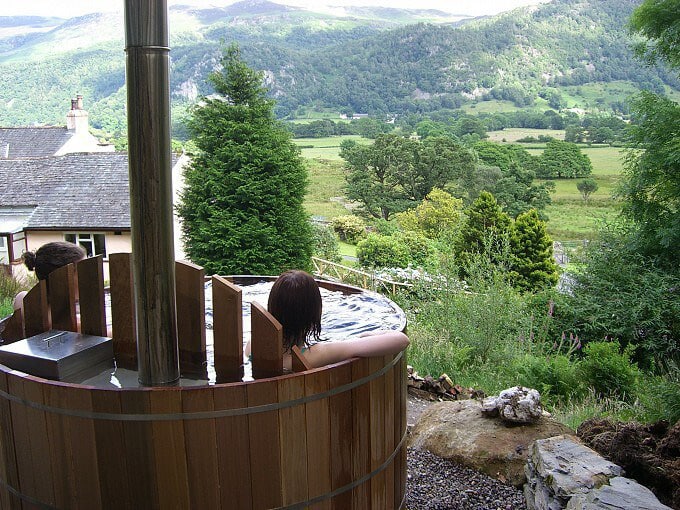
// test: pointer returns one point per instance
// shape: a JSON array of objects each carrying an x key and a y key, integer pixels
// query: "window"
[
  {"x": 93, "y": 244},
  {"x": 18, "y": 245},
  {"x": 4, "y": 253}
]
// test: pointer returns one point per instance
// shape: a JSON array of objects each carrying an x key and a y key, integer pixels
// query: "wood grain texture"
[
  {"x": 90, "y": 274},
  {"x": 227, "y": 330},
  {"x": 124, "y": 329},
  {"x": 61, "y": 295}
]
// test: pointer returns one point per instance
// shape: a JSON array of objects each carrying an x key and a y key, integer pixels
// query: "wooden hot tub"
[{"x": 331, "y": 437}]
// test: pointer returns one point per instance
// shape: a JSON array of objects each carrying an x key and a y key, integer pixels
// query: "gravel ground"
[{"x": 434, "y": 483}]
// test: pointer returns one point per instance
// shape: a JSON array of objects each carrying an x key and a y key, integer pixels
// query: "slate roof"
[
  {"x": 32, "y": 142},
  {"x": 71, "y": 192}
]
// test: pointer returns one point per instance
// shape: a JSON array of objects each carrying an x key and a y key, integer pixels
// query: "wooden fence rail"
[{"x": 345, "y": 274}]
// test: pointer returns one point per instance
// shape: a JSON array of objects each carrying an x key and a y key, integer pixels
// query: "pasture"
[
  {"x": 511, "y": 135},
  {"x": 570, "y": 218},
  {"x": 327, "y": 148}
]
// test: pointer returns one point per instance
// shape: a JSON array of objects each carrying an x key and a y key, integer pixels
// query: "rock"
[
  {"x": 564, "y": 473},
  {"x": 647, "y": 452},
  {"x": 456, "y": 430},
  {"x": 519, "y": 405},
  {"x": 515, "y": 405},
  {"x": 620, "y": 493}
]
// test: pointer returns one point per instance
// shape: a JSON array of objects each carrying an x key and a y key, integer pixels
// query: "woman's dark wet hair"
[
  {"x": 52, "y": 256},
  {"x": 295, "y": 301}
]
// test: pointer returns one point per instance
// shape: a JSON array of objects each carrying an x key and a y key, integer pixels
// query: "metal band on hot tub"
[{"x": 204, "y": 415}]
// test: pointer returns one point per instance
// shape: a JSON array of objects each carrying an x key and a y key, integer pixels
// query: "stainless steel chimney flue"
[{"x": 150, "y": 168}]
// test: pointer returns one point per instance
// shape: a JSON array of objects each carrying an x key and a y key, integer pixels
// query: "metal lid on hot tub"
[{"x": 59, "y": 355}]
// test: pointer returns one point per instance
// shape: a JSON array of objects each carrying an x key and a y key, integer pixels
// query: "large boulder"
[{"x": 460, "y": 432}]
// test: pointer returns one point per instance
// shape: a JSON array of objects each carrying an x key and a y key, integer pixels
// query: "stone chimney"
[{"x": 76, "y": 118}]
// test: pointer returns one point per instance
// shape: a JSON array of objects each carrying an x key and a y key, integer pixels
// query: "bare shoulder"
[{"x": 378, "y": 344}]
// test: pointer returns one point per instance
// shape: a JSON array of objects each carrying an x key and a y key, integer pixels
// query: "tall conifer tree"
[
  {"x": 242, "y": 203},
  {"x": 531, "y": 253}
]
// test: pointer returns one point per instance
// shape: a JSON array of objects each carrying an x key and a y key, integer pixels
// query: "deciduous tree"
[
  {"x": 563, "y": 160},
  {"x": 587, "y": 187}
]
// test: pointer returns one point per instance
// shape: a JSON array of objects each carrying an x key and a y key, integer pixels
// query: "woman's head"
[
  {"x": 295, "y": 301},
  {"x": 52, "y": 256}
]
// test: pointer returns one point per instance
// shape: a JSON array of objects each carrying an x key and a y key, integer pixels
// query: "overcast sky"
[{"x": 69, "y": 8}]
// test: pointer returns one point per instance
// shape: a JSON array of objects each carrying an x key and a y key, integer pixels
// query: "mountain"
[{"x": 367, "y": 60}]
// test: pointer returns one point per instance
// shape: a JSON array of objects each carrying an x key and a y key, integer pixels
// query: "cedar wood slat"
[
  {"x": 124, "y": 329},
  {"x": 83, "y": 450},
  {"x": 377, "y": 417},
  {"x": 361, "y": 441},
  {"x": 8, "y": 462},
  {"x": 227, "y": 330},
  {"x": 341, "y": 427},
  {"x": 170, "y": 450},
  {"x": 190, "y": 296},
  {"x": 22, "y": 442},
  {"x": 388, "y": 381},
  {"x": 13, "y": 327},
  {"x": 233, "y": 449},
  {"x": 200, "y": 438},
  {"x": 266, "y": 343},
  {"x": 138, "y": 442},
  {"x": 61, "y": 292},
  {"x": 299, "y": 362},
  {"x": 110, "y": 439},
  {"x": 317, "y": 415},
  {"x": 264, "y": 443},
  {"x": 90, "y": 273},
  {"x": 400, "y": 418},
  {"x": 60, "y": 439},
  {"x": 37, "y": 433},
  {"x": 293, "y": 440},
  {"x": 36, "y": 311}
]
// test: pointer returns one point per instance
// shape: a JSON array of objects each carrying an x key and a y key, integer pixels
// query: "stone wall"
[{"x": 562, "y": 473}]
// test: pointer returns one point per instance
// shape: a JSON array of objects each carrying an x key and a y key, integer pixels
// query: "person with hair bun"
[
  {"x": 295, "y": 301},
  {"x": 46, "y": 259}
]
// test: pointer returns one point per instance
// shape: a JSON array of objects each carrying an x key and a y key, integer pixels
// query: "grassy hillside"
[{"x": 372, "y": 61}]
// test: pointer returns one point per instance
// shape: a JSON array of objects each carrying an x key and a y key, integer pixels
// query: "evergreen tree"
[
  {"x": 531, "y": 252},
  {"x": 242, "y": 203},
  {"x": 486, "y": 230}
]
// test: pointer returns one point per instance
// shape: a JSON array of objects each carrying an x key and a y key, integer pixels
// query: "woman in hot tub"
[{"x": 295, "y": 301}]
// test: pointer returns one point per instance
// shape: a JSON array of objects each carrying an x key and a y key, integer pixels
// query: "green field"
[
  {"x": 570, "y": 217},
  {"x": 327, "y": 148},
  {"x": 511, "y": 135}
]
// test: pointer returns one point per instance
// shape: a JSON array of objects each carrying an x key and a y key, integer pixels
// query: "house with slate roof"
[
  {"x": 61, "y": 184},
  {"x": 83, "y": 198},
  {"x": 39, "y": 142}
]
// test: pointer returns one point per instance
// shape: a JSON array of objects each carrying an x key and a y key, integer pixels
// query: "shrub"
[
  {"x": 608, "y": 370},
  {"x": 349, "y": 228},
  {"x": 9, "y": 287},
  {"x": 382, "y": 251},
  {"x": 385, "y": 227},
  {"x": 557, "y": 375},
  {"x": 419, "y": 248},
  {"x": 325, "y": 243}
]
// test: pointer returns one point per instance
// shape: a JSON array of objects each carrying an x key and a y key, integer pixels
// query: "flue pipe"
[{"x": 150, "y": 168}]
